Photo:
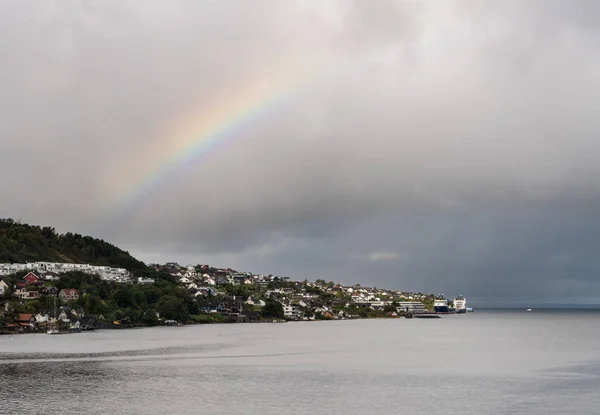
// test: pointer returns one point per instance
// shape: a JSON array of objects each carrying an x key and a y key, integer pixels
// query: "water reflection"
[{"x": 377, "y": 367}]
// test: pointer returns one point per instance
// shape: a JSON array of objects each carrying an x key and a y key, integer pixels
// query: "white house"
[
  {"x": 291, "y": 311},
  {"x": 208, "y": 279},
  {"x": 63, "y": 316},
  {"x": 3, "y": 287},
  {"x": 49, "y": 276},
  {"x": 250, "y": 301},
  {"x": 323, "y": 309},
  {"x": 42, "y": 318}
]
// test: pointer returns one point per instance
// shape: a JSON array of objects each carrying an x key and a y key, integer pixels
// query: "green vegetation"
[
  {"x": 20, "y": 243},
  {"x": 113, "y": 301},
  {"x": 208, "y": 318},
  {"x": 272, "y": 309}
]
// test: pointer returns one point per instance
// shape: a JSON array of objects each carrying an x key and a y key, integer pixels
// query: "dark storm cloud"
[{"x": 436, "y": 146}]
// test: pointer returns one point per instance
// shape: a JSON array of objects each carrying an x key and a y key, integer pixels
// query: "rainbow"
[{"x": 205, "y": 132}]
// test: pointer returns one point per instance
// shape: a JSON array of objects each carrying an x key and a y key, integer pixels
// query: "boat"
[
  {"x": 469, "y": 309},
  {"x": 440, "y": 306},
  {"x": 54, "y": 328},
  {"x": 460, "y": 304},
  {"x": 75, "y": 328},
  {"x": 529, "y": 310},
  {"x": 424, "y": 315}
]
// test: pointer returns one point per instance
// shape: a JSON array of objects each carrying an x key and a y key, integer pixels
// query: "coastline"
[
  {"x": 170, "y": 294},
  {"x": 42, "y": 330}
]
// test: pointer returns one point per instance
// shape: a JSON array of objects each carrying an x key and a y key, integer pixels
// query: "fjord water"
[{"x": 481, "y": 363}]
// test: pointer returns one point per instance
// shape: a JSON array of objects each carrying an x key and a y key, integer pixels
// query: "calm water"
[{"x": 480, "y": 363}]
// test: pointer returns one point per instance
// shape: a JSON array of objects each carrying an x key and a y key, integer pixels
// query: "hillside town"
[{"x": 34, "y": 295}]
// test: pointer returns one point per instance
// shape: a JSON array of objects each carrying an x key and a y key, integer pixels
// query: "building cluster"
[
  {"x": 32, "y": 286},
  {"x": 50, "y": 270},
  {"x": 242, "y": 295},
  {"x": 301, "y": 300}
]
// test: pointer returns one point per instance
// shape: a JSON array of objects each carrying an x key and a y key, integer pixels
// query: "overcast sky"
[{"x": 437, "y": 146}]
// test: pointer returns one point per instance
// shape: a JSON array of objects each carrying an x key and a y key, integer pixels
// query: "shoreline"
[{"x": 135, "y": 327}]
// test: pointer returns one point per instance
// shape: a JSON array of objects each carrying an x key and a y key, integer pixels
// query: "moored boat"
[
  {"x": 440, "y": 306},
  {"x": 75, "y": 328},
  {"x": 53, "y": 330},
  {"x": 460, "y": 304},
  {"x": 425, "y": 315}
]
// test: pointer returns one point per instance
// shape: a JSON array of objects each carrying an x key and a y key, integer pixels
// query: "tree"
[
  {"x": 172, "y": 308},
  {"x": 149, "y": 318},
  {"x": 389, "y": 308},
  {"x": 123, "y": 297},
  {"x": 140, "y": 299},
  {"x": 273, "y": 309},
  {"x": 326, "y": 297},
  {"x": 25, "y": 243}
]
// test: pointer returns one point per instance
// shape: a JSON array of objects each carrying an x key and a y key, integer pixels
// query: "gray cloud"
[{"x": 436, "y": 147}]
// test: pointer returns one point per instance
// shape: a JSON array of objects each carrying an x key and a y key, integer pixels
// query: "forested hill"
[{"x": 20, "y": 243}]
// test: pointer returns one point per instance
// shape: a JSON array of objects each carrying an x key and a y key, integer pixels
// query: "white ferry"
[{"x": 460, "y": 304}]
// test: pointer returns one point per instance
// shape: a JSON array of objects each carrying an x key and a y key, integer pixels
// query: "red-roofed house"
[
  {"x": 26, "y": 320},
  {"x": 31, "y": 279},
  {"x": 68, "y": 294}
]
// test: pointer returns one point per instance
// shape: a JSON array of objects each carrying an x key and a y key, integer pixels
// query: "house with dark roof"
[
  {"x": 50, "y": 290},
  {"x": 216, "y": 306}
]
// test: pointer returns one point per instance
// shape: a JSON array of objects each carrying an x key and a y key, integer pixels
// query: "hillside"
[{"x": 20, "y": 243}]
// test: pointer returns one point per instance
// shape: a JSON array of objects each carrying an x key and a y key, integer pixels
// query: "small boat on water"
[
  {"x": 422, "y": 315},
  {"x": 529, "y": 310},
  {"x": 53, "y": 330},
  {"x": 75, "y": 328}
]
